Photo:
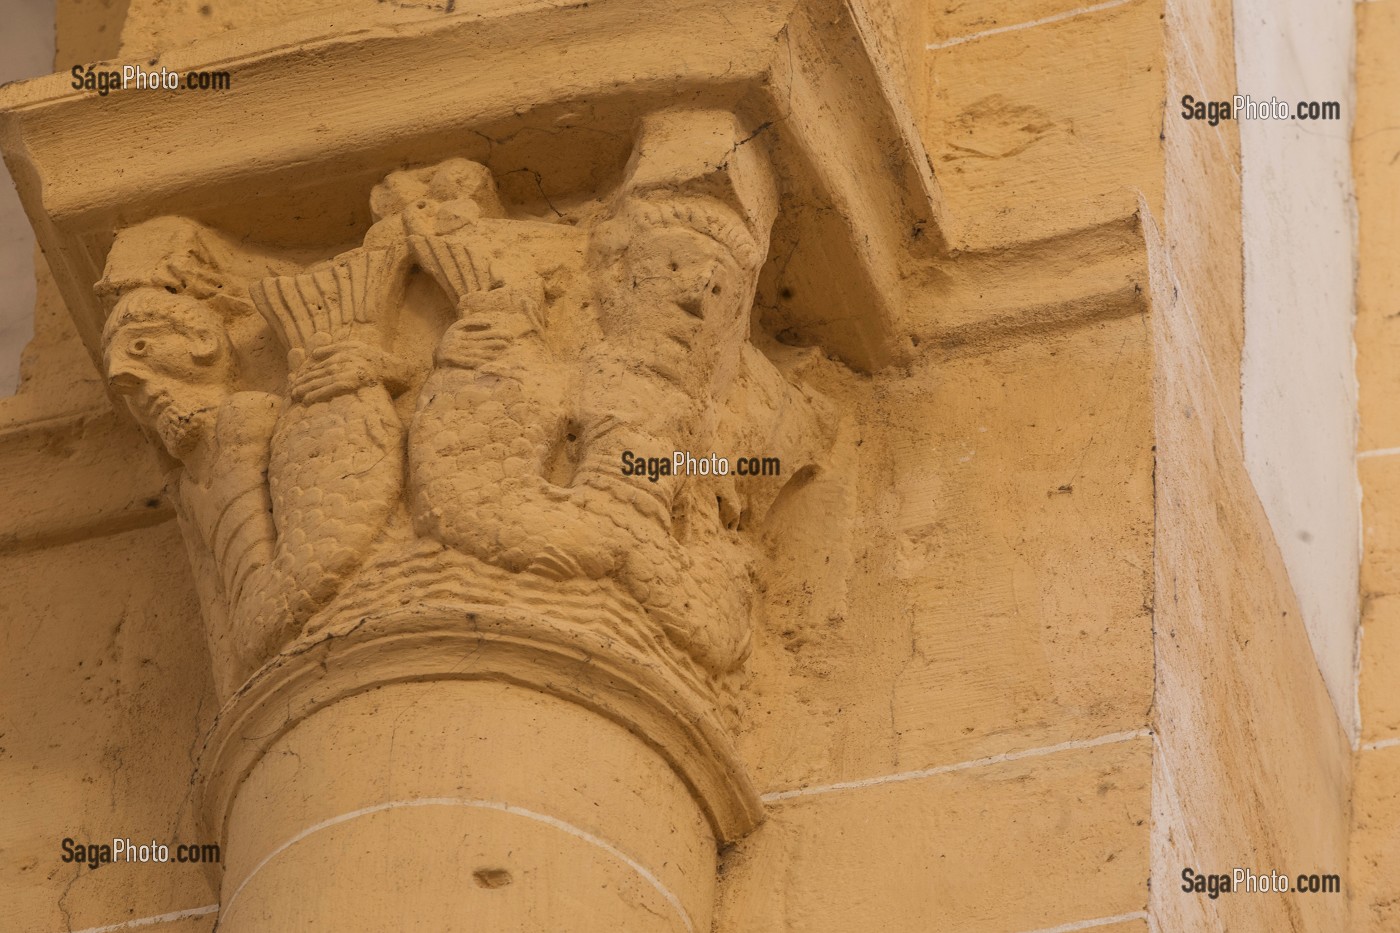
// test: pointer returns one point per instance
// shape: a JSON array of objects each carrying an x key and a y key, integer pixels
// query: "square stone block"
[
  {"x": 1039, "y": 131},
  {"x": 1379, "y": 689},
  {"x": 1375, "y": 842},
  {"x": 1012, "y": 847},
  {"x": 1380, "y": 526}
]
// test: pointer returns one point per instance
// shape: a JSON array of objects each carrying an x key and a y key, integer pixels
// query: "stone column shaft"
[{"x": 465, "y": 806}]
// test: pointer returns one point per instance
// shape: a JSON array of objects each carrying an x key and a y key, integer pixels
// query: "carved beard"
[{"x": 180, "y": 428}]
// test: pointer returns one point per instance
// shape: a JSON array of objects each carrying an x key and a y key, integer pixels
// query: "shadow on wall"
[{"x": 26, "y": 51}]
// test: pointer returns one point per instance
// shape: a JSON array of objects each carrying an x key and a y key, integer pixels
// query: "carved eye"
[
  {"x": 138, "y": 347},
  {"x": 715, "y": 290}
]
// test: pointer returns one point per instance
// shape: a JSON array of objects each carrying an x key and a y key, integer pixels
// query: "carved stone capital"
[
  {"x": 416, "y": 451},
  {"x": 400, "y": 367}
]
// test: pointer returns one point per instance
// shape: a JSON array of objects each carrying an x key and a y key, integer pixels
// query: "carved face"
[
  {"x": 685, "y": 294},
  {"x": 168, "y": 356}
]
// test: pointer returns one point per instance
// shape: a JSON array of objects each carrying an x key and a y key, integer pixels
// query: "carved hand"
[
  {"x": 492, "y": 324},
  {"x": 341, "y": 368}
]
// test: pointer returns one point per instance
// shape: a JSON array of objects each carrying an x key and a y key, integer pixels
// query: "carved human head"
[
  {"x": 694, "y": 253},
  {"x": 437, "y": 199},
  {"x": 169, "y": 356},
  {"x": 676, "y": 280},
  {"x": 682, "y": 246}
]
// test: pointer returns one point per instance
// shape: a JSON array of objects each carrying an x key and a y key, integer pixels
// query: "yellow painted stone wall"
[
  {"x": 1052, "y": 659},
  {"x": 1375, "y": 847},
  {"x": 1001, "y": 778}
]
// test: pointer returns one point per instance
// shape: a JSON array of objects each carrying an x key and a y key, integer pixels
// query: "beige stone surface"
[
  {"x": 88, "y": 31},
  {"x": 961, "y": 20},
  {"x": 1375, "y": 142},
  {"x": 1378, "y": 693},
  {"x": 1009, "y": 847},
  {"x": 1172, "y": 849},
  {"x": 1025, "y": 136},
  {"x": 104, "y": 695},
  {"x": 74, "y": 476},
  {"x": 1377, "y": 344},
  {"x": 1201, "y": 214},
  {"x": 565, "y": 820},
  {"x": 996, "y": 605},
  {"x": 556, "y": 881},
  {"x": 1297, "y": 375},
  {"x": 1374, "y": 870},
  {"x": 1380, "y": 526},
  {"x": 57, "y": 375},
  {"x": 1246, "y": 729},
  {"x": 154, "y": 26},
  {"x": 1375, "y": 842},
  {"x": 900, "y": 28}
]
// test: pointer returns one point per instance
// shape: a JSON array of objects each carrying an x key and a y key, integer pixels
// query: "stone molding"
[
  {"x": 520, "y": 648},
  {"x": 524, "y": 88}
]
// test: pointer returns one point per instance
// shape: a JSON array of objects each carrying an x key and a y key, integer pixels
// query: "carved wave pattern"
[{"x": 426, "y": 580}]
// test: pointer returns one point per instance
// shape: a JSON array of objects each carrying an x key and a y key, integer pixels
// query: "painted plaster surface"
[{"x": 1299, "y": 391}]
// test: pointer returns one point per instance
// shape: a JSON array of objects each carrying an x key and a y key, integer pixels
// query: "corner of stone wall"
[{"x": 1375, "y": 843}]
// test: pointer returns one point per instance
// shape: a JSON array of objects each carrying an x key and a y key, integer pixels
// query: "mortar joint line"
[
  {"x": 1016, "y": 27},
  {"x": 1096, "y": 922},
  {"x": 922, "y": 773},
  {"x": 1381, "y": 745},
  {"x": 171, "y": 917}
]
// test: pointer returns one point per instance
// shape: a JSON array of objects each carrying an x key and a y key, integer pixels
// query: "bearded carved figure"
[
  {"x": 279, "y": 495},
  {"x": 329, "y": 466}
]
